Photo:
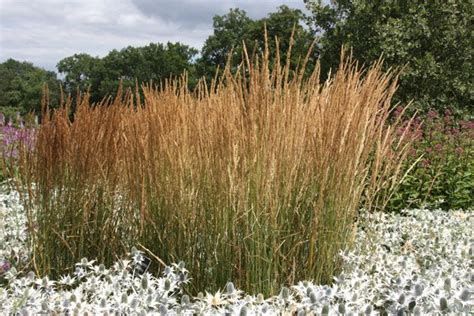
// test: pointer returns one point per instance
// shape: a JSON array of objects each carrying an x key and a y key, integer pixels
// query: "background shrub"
[
  {"x": 431, "y": 39},
  {"x": 444, "y": 175}
]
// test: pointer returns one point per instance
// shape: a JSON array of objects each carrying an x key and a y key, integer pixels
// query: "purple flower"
[
  {"x": 11, "y": 138},
  {"x": 398, "y": 111},
  {"x": 448, "y": 118},
  {"x": 466, "y": 125},
  {"x": 4, "y": 266},
  {"x": 400, "y": 131},
  {"x": 454, "y": 131},
  {"x": 425, "y": 163},
  {"x": 432, "y": 114}
]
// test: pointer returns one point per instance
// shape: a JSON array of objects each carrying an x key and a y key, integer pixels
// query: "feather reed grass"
[{"x": 256, "y": 178}]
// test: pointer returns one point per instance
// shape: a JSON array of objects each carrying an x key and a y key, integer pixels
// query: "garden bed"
[{"x": 419, "y": 262}]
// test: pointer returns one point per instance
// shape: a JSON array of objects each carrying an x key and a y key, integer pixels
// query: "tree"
[
  {"x": 21, "y": 86},
  {"x": 229, "y": 32},
  {"x": 154, "y": 62},
  {"x": 235, "y": 28},
  {"x": 81, "y": 72},
  {"x": 433, "y": 39},
  {"x": 280, "y": 25},
  {"x": 131, "y": 65}
]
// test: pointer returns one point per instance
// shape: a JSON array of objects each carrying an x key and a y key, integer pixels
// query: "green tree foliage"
[
  {"x": 21, "y": 86},
  {"x": 432, "y": 38},
  {"x": 81, "y": 72},
  {"x": 235, "y": 28},
  {"x": 131, "y": 65},
  {"x": 229, "y": 32},
  {"x": 154, "y": 62}
]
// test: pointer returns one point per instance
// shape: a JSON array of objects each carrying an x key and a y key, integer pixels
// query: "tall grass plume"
[{"x": 256, "y": 178}]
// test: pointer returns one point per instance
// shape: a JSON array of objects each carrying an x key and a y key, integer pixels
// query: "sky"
[{"x": 45, "y": 31}]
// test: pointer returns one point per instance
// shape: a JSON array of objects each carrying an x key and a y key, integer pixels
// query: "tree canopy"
[
  {"x": 21, "y": 86},
  {"x": 235, "y": 28},
  {"x": 432, "y": 39},
  {"x": 102, "y": 76}
]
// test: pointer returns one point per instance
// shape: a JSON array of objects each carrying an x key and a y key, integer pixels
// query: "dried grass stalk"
[{"x": 257, "y": 179}]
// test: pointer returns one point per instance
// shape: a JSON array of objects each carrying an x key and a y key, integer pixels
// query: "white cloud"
[{"x": 45, "y": 31}]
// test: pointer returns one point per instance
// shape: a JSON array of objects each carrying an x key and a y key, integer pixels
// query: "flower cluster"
[
  {"x": 443, "y": 154},
  {"x": 96, "y": 289},
  {"x": 417, "y": 262},
  {"x": 13, "y": 234},
  {"x": 13, "y": 134}
]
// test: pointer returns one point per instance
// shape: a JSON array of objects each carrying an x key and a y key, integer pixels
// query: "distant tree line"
[
  {"x": 21, "y": 87},
  {"x": 432, "y": 40}
]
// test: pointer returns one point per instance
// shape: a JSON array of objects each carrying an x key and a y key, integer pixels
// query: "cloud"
[
  {"x": 45, "y": 31},
  {"x": 189, "y": 14}
]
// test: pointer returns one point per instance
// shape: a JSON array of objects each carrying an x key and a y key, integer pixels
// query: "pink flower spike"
[{"x": 432, "y": 114}]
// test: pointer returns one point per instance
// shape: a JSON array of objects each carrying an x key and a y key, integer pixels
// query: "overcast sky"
[{"x": 45, "y": 31}]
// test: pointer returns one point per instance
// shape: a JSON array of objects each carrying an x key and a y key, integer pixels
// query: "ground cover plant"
[
  {"x": 256, "y": 179},
  {"x": 416, "y": 262}
]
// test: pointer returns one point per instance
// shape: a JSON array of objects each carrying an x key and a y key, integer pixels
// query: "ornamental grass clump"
[{"x": 256, "y": 178}]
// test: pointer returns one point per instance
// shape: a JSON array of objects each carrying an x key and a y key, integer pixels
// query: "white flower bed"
[
  {"x": 420, "y": 262},
  {"x": 13, "y": 237}
]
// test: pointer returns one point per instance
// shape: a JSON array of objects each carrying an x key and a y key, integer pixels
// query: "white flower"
[
  {"x": 439, "y": 244},
  {"x": 67, "y": 280},
  {"x": 45, "y": 283},
  {"x": 85, "y": 263},
  {"x": 215, "y": 299}
]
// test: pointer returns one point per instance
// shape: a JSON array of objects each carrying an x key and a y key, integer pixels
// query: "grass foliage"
[{"x": 256, "y": 179}]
